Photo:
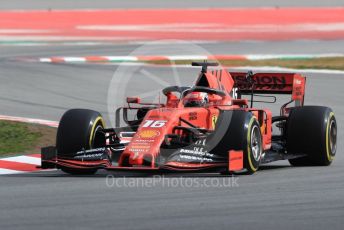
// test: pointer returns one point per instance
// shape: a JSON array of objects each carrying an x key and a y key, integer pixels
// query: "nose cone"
[
  {"x": 141, "y": 159},
  {"x": 144, "y": 147}
]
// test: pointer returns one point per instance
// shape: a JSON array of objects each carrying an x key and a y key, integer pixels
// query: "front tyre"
[
  {"x": 239, "y": 130},
  {"x": 79, "y": 129},
  {"x": 254, "y": 147}
]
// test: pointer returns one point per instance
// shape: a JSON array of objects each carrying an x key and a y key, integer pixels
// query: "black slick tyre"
[
  {"x": 239, "y": 130},
  {"x": 78, "y": 130},
  {"x": 312, "y": 133}
]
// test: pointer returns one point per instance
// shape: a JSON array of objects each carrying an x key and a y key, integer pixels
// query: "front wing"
[{"x": 99, "y": 159}]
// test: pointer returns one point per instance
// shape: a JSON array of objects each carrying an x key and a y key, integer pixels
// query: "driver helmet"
[{"x": 196, "y": 99}]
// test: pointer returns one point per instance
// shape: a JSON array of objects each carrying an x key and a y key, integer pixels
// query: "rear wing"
[{"x": 272, "y": 83}]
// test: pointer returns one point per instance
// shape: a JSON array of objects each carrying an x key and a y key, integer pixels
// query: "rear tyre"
[
  {"x": 299, "y": 162},
  {"x": 239, "y": 130},
  {"x": 312, "y": 131},
  {"x": 79, "y": 129}
]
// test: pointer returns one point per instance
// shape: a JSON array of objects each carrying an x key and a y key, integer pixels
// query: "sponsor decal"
[
  {"x": 90, "y": 151},
  {"x": 193, "y": 116},
  {"x": 157, "y": 117},
  {"x": 298, "y": 82},
  {"x": 165, "y": 109},
  {"x": 195, "y": 152},
  {"x": 262, "y": 82},
  {"x": 140, "y": 146},
  {"x": 143, "y": 141},
  {"x": 149, "y": 133},
  {"x": 97, "y": 154},
  {"x": 213, "y": 121},
  {"x": 138, "y": 150},
  {"x": 195, "y": 158}
]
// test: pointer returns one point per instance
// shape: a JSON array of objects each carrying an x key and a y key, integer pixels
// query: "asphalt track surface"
[
  {"x": 278, "y": 196},
  {"x": 46, "y": 91}
]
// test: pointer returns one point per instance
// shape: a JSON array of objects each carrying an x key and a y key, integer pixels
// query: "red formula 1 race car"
[{"x": 207, "y": 127}]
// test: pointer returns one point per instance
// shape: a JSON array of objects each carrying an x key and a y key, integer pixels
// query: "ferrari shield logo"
[{"x": 213, "y": 121}]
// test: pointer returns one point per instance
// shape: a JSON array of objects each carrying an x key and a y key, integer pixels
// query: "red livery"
[{"x": 211, "y": 126}]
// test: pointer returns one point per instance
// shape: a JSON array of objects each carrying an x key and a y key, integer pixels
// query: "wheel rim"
[
  {"x": 333, "y": 137},
  {"x": 256, "y": 143}
]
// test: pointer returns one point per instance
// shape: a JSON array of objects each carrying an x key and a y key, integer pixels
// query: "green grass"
[{"x": 17, "y": 138}]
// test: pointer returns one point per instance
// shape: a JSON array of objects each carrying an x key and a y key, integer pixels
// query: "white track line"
[
  {"x": 9, "y": 171},
  {"x": 75, "y": 59},
  {"x": 120, "y": 58},
  {"x": 24, "y": 159}
]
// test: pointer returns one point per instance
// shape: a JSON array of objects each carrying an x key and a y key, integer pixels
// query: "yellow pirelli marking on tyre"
[
  {"x": 98, "y": 119},
  {"x": 213, "y": 121},
  {"x": 328, "y": 148},
  {"x": 249, "y": 145}
]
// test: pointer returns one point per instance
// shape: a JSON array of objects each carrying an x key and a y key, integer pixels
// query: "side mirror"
[{"x": 135, "y": 100}]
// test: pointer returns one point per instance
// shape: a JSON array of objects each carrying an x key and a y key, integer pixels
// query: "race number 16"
[{"x": 154, "y": 124}]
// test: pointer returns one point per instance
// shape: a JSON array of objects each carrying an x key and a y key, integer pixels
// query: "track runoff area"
[{"x": 185, "y": 24}]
